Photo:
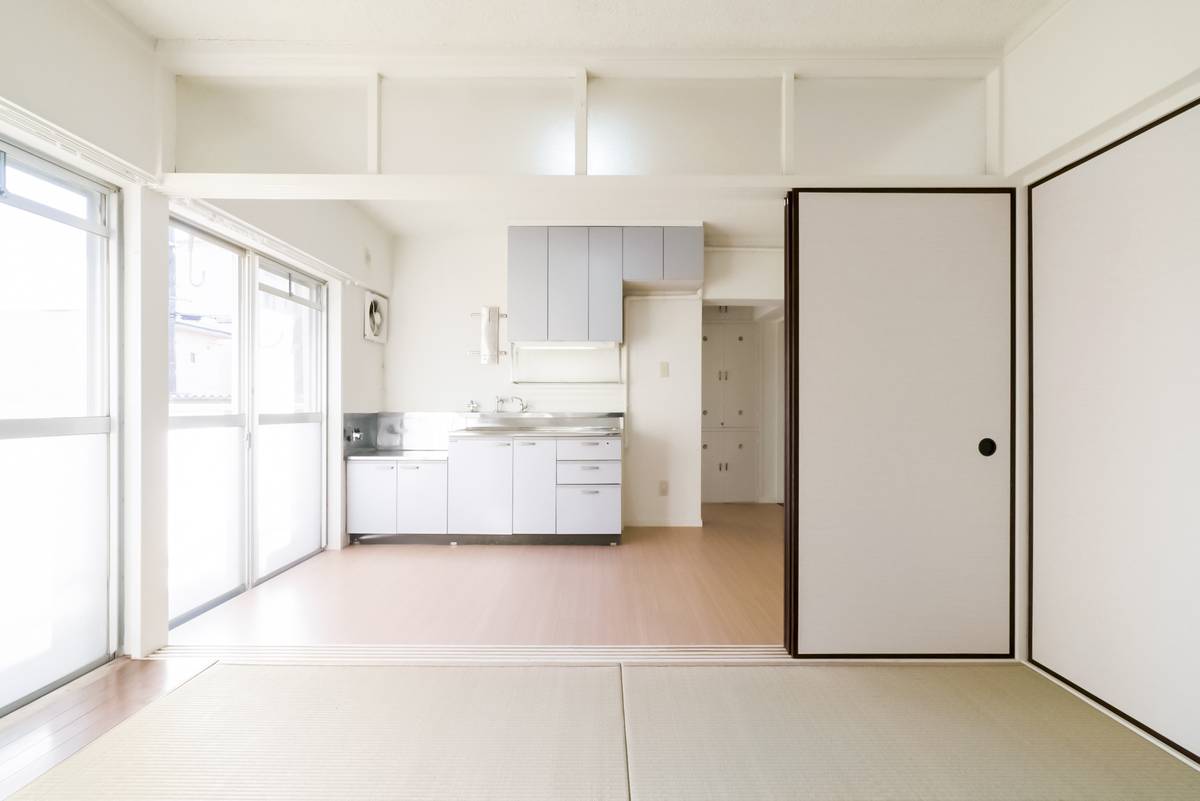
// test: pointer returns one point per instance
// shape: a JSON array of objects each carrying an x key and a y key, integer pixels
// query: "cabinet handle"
[
  {"x": 590, "y": 444},
  {"x": 590, "y": 492},
  {"x": 590, "y": 467},
  {"x": 527, "y": 444},
  {"x": 410, "y": 467},
  {"x": 503, "y": 444}
]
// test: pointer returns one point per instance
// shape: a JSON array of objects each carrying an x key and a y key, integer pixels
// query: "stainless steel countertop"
[{"x": 385, "y": 455}]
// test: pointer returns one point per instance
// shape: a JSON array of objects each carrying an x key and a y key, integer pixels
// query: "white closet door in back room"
[{"x": 904, "y": 372}]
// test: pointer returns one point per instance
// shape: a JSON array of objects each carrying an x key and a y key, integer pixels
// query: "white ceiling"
[{"x": 788, "y": 25}]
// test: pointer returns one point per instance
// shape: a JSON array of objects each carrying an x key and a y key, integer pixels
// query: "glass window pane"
[
  {"x": 204, "y": 516},
  {"x": 81, "y": 203},
  {"x": 54, "y": 572},
  {"x": 52, "y": 321},
  {"x": 203, "y": 343},
  {"x": 287, "y": 370},
  {"x": 289, "y": 501}
]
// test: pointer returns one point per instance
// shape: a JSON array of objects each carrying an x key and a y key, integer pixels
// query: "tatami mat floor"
[{"x": 831, "y": 731}]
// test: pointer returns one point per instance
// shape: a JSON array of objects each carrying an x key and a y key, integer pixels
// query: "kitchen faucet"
[{"x": 501, "y": 400}]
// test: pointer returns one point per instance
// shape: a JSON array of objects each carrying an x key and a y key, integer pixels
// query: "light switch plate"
[
  {"x": 664, "y": 488},
  {"x": 664, "y": 369}
]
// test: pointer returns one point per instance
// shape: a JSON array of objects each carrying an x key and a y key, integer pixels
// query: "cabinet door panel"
[
  {"x": 527, "y": 283},
  {"x": 371, "y": 497},
  {"x": 712, "y": 364},
  {"x": 534, "y": 463},
  {"x": 480, "y": 486},
  {"x": 642, "y": 253},
  {"x": 421, "y": 497},
  {"x": 741, "y": 385},
  {"x": 741, "y": 473},
  {"x": 568, "y": 271},
  {"x": 604, "y": 285},
  {"x": 712, "y": 454},
  {"x": 683, "y": 253}
]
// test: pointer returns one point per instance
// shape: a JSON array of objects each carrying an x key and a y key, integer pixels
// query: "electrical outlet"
[
  {"x": 664, "y": 369},
  {"x": 664, "y": 488}
]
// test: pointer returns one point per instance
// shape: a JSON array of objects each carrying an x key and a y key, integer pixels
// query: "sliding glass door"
[
  {"x": 57, "y": 563},
  {"x": 246, "y": 491},
  {"x": 206, "y": 548},
  {"x": 289, "y": 490}
]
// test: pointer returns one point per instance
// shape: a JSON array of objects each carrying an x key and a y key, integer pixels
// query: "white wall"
[
  {"x": 84, "y": 70},
  {"x": 663, "y": 425},
  {"x": 440, "y": 279},
  {"x": 743, "y": 276},
  {"x": 1090, "y": 62},
  {"x": 342, "y": 235}
]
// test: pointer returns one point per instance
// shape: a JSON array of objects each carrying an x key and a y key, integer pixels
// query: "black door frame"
[{"x": 791, "y": 468}]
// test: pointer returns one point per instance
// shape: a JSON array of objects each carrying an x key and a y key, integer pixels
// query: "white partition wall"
[
  {"x": 1115, "y": 283},
  {"x": 904, "y": 386}
]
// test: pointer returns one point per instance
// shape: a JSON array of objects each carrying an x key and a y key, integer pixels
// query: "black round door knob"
[{"x": 987, "y": 446}]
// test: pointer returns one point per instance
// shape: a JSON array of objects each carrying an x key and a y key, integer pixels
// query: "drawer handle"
[
  {"x": 527, "y": 444},
  {"x": 590, "y": 467},
  {"x": 503, "y": 444},
  {"x": 410, "y": 467},
  {"x": 590, "y": 444},
  {"x": 590, "y": 492}
]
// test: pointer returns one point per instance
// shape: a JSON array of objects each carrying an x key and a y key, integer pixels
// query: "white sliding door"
[
  {"x": 289, "y": 399},
  {"x": 57, "y": 578},
  {"x": 904, "y": 391},
  {"x": 1115, "y": 281},
  {"x": 206, "y": 446}
]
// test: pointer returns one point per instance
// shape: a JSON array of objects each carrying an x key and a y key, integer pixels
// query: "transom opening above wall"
[{"x": 567, "y": 125}]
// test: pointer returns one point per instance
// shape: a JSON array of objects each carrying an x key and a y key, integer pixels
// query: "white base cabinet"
[
  {"x": 533, "y": 486},
  {"x": 589, "y": 509},
  {"x": 481, "y": 486},
  {"x": 421, "y": 498},
  {"x": 371, "y": 494}
]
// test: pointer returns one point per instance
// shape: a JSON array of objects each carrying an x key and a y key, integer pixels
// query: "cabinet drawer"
[
  {"x": 589, "y": 472},
  {"x": 589, "y": 509},
  {"x": 592, "y": 450}
]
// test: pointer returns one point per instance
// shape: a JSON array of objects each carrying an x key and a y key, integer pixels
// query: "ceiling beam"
[
  {"x": 453, "y": 188},
  {"x": 283, "y": 60}
]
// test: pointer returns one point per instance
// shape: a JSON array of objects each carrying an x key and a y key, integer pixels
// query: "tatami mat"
[
  {"x": 969, "y": 732},
  {"x": 316, "y": 732}
]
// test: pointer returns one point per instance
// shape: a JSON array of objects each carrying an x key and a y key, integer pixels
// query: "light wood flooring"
[{"x": 717, "y": 585}]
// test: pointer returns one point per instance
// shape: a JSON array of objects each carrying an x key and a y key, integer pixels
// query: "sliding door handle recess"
[{"x": 987, "y": 446}]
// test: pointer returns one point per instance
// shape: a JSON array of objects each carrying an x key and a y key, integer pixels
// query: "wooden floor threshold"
[{"x": 479, "y": 654}]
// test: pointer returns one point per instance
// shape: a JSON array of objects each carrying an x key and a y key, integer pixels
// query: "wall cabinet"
[
  {"x": 729, "y": 390},
  {"x": 534, "y": 480},
  {"x": 568, "y": 281},
  {"x": 683, "y": 253},
  {"x": 729, "y": 466},
  {"x": 528, "y": 256},
  {"x": 642, "y": 253},
  {"x": 481, "y": 486},
  {"x": 564, "y": 284},
  {"x": 605, "y": 308},
  {"x": 421, "y": 497},
  {"x": 371, "y": 493}
]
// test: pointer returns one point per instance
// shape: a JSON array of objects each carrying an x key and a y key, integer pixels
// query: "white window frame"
[{"x": 104, "y": 362}]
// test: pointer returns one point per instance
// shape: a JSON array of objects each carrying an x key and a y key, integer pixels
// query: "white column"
[{"x": 144, "y": 422}]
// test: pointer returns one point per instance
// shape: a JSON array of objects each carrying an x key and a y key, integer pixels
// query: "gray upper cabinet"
[
  {"x": 604, "y": 285},
  {"x": 683, "y": 253},
  {"x": 528, "y": 283},
  {"x": 642, "y": 251},
  {"x": 568, "y": 272}
]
